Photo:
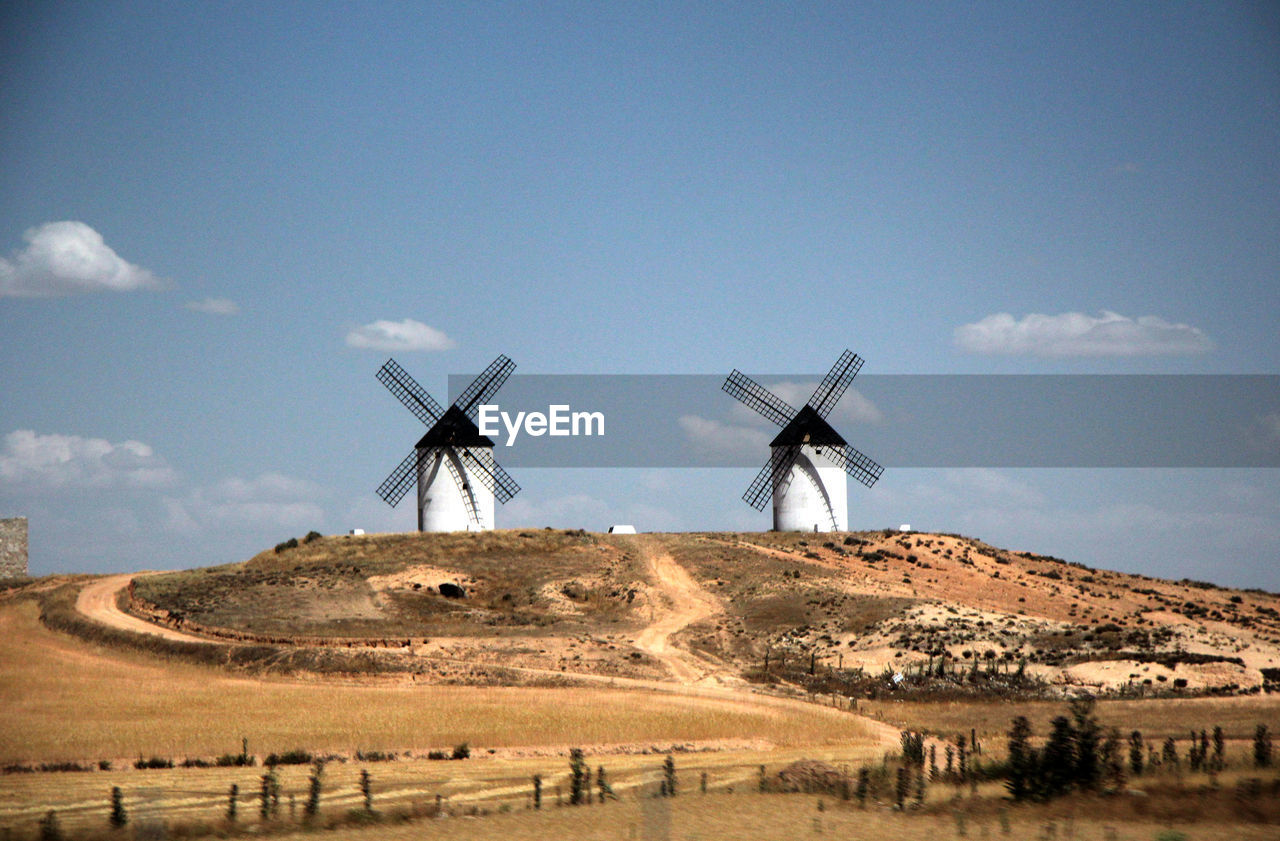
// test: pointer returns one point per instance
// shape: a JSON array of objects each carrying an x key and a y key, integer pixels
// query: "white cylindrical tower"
[
  {"x": 450, "y": 497},
  {"x": 812, "y": 495}
]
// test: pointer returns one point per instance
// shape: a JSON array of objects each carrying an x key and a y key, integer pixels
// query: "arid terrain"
[
  {"x": 710, "y": 607},
  {"x": 737, "y": 654}
]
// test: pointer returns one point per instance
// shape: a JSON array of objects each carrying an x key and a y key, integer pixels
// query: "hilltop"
[{"x": 864, "y": 613}]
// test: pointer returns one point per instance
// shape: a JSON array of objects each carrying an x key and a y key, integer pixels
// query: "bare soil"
[{"x": 718, "y": 609}]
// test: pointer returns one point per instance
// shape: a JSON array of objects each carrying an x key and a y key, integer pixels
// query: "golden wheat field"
[
  {"x": 774, "y": 818},
  {"x": 68, "y": 701},
  {"x": 1156, "y": 718}
]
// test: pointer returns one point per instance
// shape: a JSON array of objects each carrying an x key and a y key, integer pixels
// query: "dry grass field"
[
  {"x": 875, "y": 600},
  {"x": 67, "y": 700},
  {"x": 756, "y": 817},
  {"x": 1156, "y": 718},
  {"x": 629, "y": 647}
]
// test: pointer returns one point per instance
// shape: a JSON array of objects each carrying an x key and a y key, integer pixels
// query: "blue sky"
[{"x": 614, "y": 188}]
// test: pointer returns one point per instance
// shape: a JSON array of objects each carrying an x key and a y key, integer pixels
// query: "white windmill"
[
  {"x": 453, "y": 463},
  {"x": 808, "y": 460}
]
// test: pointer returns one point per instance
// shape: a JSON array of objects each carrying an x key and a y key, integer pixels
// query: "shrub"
[
  {"x": 269, "y": 794},
  {"x": 1088, "y": 736},
  {"x": 901, "y": 789},
  {"x": 1136, "y": 752},
  {"x": 913, "y": 748},
  {"x": 291, "y": 543},
  {"x": 1058, "y": 759},
  {"x": 119, "y": 817},
  {"x": 366, "y": 790},
  {"x": 462, "y": 751},
  {"x": 312, "y": 809},
  {"x": 50, "y": 829},
  {"x": 312, "y": 535},
  {"x": 153, "y": 762},
  {"x": 1022, "y": 760},
  {"x": 605, "y": 791},
  {"x": 577, "y": 776},
  {"x": 1261, "y": 747},
  {"x": 297, "y": 756}
]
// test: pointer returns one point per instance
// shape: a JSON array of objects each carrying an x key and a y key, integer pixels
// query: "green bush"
[
  {"x": 119, "y": 817},
  {"x": 50, "y": 829},
  {"x": 153, "y": 762},
  {"x": 297, "y": 756}
]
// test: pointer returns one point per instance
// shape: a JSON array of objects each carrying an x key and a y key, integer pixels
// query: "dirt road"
[
  {"x": 687, "y": 603},
  {"x": 98, "y": 602}
]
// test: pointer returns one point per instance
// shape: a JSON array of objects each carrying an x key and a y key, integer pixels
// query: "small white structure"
[
  {"x": 622, "y": 529},
  {"x": 356, "y": 532},
  {"x": 904, "y": 527}
]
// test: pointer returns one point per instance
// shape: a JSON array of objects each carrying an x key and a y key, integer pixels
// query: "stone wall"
[{"x": 13, "y": 547}]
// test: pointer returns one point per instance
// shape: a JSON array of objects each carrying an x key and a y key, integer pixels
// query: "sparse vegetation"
[
  {"x": 796, "y": 626},
  {"x": 119, "y": 818}
]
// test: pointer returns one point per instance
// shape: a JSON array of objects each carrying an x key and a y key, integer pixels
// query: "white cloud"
[
  {"x": 269, "y": 500},
  {"x": 1077, "y": 334},
  {"x": 716, "y": 437},
  {"x": 213, "y": 306},
  {"x": 62, "y": 258},
  {"x": 407, "y": 335},
  {"x": 69, "y": 461}
]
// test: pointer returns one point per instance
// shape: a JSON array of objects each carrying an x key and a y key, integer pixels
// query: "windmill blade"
[
  {"x": 780, "y": 461},
  {"x": 395, "y": 486},
  {"x": 408, "y": 392},
  {"x": 856, "y": 464},
  {"x": 483, "y": 387},
  {"x": 468, "y": 497},
  {"x": 491, "y": 473},
  {"x": 835, "y": 383},
  {"x": 758, "y": 398}
]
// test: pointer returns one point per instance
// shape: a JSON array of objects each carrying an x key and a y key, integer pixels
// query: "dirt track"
[
  {"x": 687, "y": 602},
  {"x": 98, "y": 602}
]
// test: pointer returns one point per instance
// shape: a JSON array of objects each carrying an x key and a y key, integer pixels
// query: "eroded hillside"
[{"x": 831, "y": 612}]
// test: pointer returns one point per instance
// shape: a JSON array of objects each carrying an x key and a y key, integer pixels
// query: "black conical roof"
[
  {"x": 808, "y": 427},
  {"x": 454, "y": 429}
]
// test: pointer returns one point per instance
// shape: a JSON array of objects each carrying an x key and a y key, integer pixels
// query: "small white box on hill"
[
  {"x": 622, "y": 529},
  {"x": 356, "y": 532},
  {"x": 904, "y": 527}
]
